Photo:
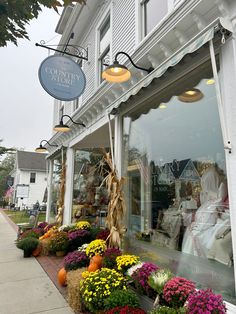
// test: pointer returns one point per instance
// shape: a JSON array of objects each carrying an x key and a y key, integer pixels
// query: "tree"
[
  {"x": 15, "y": 15},
  {"x": 6, "y": 166},
  {"x": 5, "y": 150}
]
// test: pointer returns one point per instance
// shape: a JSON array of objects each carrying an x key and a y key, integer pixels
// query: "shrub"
[
  {"x": 27, "y": 244},
  {"x": 121, "y": 298},
  {"x": 109, "y": 257},
  {"x": 75, "y": 260},
  {"x": 177, "y": 290},
  {"x": 140, "y": 278},
  {"x": 205, "y": 301},
  {"x": 98, "y": 285},
  {"x": 125, "y": 310}
]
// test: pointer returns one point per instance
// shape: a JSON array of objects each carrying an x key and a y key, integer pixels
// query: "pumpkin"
[
  {"x": 97, "y": 259},
  {"x": 93, "y": 267},
  {"x": 61, "y": 276},
  {"x": 37, "y": 251}
]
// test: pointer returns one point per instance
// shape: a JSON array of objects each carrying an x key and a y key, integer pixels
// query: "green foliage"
[
  {"x": 168, "y": 310},
  {"x": 121, "y": 298},
  {"x": 27, "y": 244},
  {"x": 15, "y": 15},
  {"x": 6, "y": 166}
]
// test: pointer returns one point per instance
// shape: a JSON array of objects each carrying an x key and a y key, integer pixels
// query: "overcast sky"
[{"x": 25, "y": 108}]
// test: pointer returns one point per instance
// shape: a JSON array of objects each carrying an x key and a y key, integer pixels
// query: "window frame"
[
  {"x": 101, "y": 51},
  {"x": 32, "y": 177}
]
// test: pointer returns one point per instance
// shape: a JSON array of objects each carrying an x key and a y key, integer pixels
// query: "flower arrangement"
[
  {"x": 125, "y": 310},
  {"x": 65, "y": 228},
  {"x": 98, "y": 285},
  {"x": 58, "y": 241},
  {"x": 177, "y": 290},
  {"x": 158, "y": 279},
  {"x": 75, "y": 260},
  {"x": 205, "y": 301},
  {"x": 96, "y": 247},
  {"x": 126, "y": 261},
  {"x": 109, "y": 257},
  {"x": 121, "y": 298},
  {"x": 83, "y": 225},
  {"x": 77, "y": 238},
  {"x": 103, "y": 234},
  {"x": 140, "y": 278}
]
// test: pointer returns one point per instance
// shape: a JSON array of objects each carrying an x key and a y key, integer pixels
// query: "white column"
[
  {"x": 118, "y": 144},
  {"x": 228, "y": 83},
  {"x": 70, "y": 155},
  {"x": 49, "y": 187}
]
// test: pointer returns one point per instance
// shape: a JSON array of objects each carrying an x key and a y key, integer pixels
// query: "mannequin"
[{"x": 200, "y": 235}]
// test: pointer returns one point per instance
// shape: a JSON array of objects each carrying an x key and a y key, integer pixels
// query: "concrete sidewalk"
[{"x": 24, "y": 286}]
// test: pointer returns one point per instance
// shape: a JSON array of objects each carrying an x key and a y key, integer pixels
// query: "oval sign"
[{"x": 62, "y": 77}]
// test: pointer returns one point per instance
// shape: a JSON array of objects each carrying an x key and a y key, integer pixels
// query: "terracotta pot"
[{"x": 60, "y": 253}]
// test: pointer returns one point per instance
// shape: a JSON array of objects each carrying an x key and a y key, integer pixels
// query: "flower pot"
[
  {"x": 27, "y": 253},
  {"x": 60, "y": 253}
]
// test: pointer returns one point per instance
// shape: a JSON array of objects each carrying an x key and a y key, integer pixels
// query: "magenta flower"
[
  {"x": 177, "y": 290},
  {"x": 140, "y": 277},
  {"x": 205, "y": 301}
]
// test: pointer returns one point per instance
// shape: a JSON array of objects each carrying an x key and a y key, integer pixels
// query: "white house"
[
  {"x": 184, "y": 108},
  {"x": 30, "y": 178}
]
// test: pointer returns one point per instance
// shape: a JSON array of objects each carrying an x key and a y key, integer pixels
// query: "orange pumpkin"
[
  {"x": 37, "y": 251},
  {"x": 61, "y": 276},
  {"x": 97, "y": 259},
  {"x": 93, "y": 267}
]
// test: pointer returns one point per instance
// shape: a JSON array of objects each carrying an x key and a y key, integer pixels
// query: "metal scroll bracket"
[{"x": 67, "y": 49}]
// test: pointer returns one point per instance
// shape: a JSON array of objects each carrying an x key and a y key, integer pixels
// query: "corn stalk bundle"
[{"x": 116, "y": 206}]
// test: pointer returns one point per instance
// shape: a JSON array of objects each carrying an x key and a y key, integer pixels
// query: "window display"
[
  {"x": 90, "y": 196},
  {"x": 177, "y": 188}
]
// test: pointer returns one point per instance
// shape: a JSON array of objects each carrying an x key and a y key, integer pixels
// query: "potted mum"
[
  {"x": 28, "y": 245},
  {"x": 58, "y": 243}
]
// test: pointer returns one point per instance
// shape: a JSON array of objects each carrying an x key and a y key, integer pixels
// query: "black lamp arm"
[
  {"x": 47, "y": 143},
  {"x": 132, "y": 62},
  {"x": 66, "y": 115}
]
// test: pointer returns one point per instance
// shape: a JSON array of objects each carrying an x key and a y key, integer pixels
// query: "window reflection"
[
  {"x": 90, "y": 197},
  {"x": 178, "y": 188}
]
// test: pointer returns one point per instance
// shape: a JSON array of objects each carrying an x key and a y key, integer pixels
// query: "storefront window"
[
  {"x": 90, "y": 196},
  {"x": 58, "y": 186},
  {"x": 177, "y": 188}
]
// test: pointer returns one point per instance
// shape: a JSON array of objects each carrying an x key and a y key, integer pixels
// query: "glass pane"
[
  {"x": 58, "y": 187},
  {"x": 177, "y": 187},
  {"x": 154, "y": 11},
  {"x": 90, "y": 196},
  {"x": 105, "y": 27}
]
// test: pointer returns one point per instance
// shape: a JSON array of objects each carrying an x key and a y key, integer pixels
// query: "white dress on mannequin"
[{"x": 200, "y": 235}]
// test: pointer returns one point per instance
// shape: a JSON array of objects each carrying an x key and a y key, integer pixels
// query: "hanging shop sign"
[{"x": 62, "y": 77}]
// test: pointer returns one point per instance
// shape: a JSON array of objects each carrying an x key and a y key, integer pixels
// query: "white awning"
[{"x": 191, "y": 46}]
